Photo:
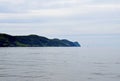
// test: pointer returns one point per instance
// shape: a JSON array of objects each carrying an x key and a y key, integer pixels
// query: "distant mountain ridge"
[{"x": 34, "y": 41}]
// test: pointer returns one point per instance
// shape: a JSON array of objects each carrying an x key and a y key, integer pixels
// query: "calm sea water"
[{"x": 59, "y": 64}]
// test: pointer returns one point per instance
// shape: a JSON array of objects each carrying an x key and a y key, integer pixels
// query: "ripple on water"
[
  {"x": 100, "y": 74},
  {"x": 24, "y": 76}
]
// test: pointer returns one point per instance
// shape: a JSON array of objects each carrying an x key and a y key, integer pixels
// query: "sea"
[{"x": 59, "y": 64}]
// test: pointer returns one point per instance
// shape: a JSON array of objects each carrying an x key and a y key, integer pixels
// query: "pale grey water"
[{"x": 59, "y": 64}]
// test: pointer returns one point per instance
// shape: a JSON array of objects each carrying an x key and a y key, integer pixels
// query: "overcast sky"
[{"x": 60, "y": 17}]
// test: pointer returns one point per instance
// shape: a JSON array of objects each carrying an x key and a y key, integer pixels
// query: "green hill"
[{"x": 34, "y": 41}]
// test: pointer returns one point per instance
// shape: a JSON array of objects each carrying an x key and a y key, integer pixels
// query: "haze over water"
[{"x": 59, "y": 64}]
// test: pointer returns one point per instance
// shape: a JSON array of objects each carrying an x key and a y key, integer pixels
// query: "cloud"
[
  {"x": 76, "y": 10},
  {"x": 27, "y": 5},
  {"x": 57, "y": 16}
]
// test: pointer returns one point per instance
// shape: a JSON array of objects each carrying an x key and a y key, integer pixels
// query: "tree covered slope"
[{"x": 34, "y": 41}]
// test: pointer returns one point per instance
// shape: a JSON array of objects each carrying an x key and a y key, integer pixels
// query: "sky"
[{"x": 79, "y": 20}]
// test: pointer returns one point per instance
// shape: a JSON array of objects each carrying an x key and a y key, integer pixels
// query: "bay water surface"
[{"x": 59, "y": 64}]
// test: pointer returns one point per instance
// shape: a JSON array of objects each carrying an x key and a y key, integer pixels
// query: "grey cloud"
[
  {"x": 91, "y": 19},
  {"x": 106, "y": 1},
  {"x": 8, "y": 7}
]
